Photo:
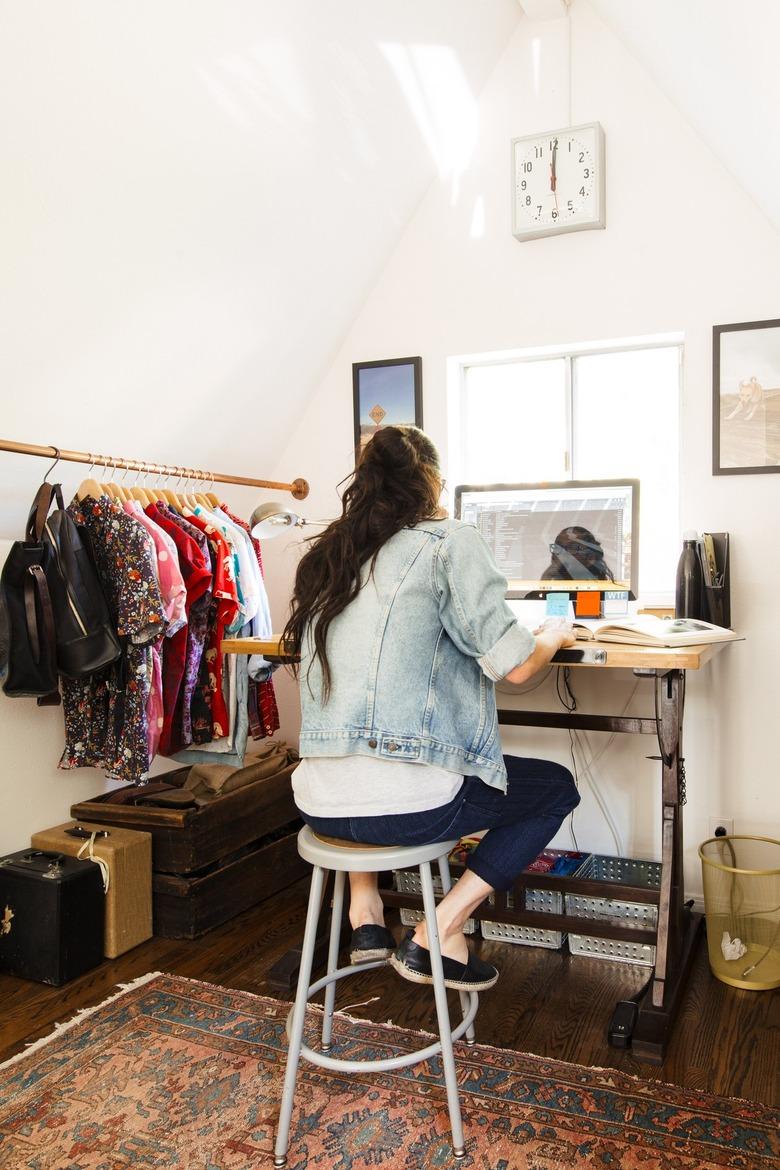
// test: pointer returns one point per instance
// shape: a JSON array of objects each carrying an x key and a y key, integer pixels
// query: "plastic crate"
[
  {"x": 407, "y": 881},
  {"x": 545, "y": 901},
  {"x": 626, "y": 871}
]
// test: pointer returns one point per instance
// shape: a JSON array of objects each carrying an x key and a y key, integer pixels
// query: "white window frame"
[{"x": 457, "y": 367}]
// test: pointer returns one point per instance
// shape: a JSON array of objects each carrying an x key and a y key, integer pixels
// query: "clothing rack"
[{"x": 299, "y": 487}]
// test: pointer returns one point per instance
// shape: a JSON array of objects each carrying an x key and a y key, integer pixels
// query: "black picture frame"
[
  {"x": 392, "y": 386},
  {"x": 746, "y": 398}
]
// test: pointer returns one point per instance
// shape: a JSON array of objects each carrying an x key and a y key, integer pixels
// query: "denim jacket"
[{"x": 414, "y": 657}]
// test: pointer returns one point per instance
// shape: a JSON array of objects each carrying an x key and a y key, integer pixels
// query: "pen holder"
[{"x": 717, "y": 605}]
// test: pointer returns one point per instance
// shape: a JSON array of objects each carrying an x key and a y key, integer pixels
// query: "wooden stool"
[{"x": 328, "y": 854}]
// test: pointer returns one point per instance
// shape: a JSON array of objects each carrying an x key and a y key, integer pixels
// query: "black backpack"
[{"x": 58, "y": 618}]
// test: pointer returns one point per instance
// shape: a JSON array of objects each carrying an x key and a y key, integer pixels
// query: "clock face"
[{"x": 558, "y": 182}]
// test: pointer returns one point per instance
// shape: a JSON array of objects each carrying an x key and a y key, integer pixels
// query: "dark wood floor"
[{"x": 547, "y": 1002}]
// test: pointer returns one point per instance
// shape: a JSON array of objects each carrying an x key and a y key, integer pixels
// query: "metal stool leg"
[
  {"x": 442, "y": 1011},
  {"x": 299, "y": 1013},
  {"x": 446, "y": 885},
  {"x": 333, "y": 956}
]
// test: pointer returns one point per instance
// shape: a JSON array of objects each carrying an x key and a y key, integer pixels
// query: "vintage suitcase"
[
  {"x": 128, "y": 855},
  {"x": 51, "y": 916},
  {"x": 213, "y": 861}
]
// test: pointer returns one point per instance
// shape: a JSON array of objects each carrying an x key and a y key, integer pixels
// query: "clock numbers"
[{"x": 558, "y": 181}]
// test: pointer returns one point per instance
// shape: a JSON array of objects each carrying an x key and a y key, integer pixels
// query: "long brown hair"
[{"x": 396, "y": 484}]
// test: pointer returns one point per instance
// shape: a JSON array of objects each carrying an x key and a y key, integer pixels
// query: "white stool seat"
[{"x": 333, "y": 854}]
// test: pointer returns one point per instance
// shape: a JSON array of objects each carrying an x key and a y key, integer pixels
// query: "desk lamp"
[{"x": 270, "y": 519}]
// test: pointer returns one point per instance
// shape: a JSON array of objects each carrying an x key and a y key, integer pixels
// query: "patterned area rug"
[{"x": 175, "y": 1073}]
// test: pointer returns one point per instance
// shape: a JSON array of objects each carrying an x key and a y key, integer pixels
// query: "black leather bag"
[{"x": 58, "y": 617}]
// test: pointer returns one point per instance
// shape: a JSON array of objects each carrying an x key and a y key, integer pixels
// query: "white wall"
[{"x": 684, "y": 249}]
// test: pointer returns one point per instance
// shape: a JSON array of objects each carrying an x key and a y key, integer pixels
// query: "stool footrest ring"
[{"x": 387, "y": 1063}]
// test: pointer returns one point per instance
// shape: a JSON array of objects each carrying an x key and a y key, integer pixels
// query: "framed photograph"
[
  {"x": 746, "y": 398},
  {"x": 387, "y": 393}
]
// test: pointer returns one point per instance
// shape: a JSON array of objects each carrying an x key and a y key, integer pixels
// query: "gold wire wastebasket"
[{"x": 742, "y": 909}]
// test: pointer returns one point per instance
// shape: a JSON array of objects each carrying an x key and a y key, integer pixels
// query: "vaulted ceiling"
[
  {"x": 199, "y": 195},
  {"x": 716, "y": 60}
]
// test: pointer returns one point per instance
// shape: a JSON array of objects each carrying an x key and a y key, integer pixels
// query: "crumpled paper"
[{"x": 733, "y": 948}]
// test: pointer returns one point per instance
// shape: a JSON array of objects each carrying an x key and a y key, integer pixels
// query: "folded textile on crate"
[{"x": 207, "y": 782}]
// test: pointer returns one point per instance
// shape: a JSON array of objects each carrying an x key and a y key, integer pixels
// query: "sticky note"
[
  {"x": 615, "y": 603},
  {"x": 557, "y": 605},
  {"x": 588, "y": 604}
]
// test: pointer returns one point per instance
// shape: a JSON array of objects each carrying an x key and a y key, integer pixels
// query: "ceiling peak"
[{"x": 544, "y": 9}]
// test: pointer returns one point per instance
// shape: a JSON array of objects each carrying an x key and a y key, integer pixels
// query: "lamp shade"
[{"x": 272, "y": 518}]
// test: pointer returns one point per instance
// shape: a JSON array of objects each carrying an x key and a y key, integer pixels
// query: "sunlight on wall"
[
  {"x": 268, "y": 79},
  {"x": 443, "y": 106},
  {"x": 478, "y": 219}
]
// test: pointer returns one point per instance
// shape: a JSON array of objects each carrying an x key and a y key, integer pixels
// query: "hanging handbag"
[{"x": 58, "y": 617}]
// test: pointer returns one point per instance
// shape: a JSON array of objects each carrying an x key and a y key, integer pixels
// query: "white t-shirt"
[{"x": 360, "y": 786}]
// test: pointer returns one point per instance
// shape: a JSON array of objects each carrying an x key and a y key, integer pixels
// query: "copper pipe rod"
[{"x": 299, "y": 487}]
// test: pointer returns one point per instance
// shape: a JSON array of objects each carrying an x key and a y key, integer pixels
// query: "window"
[{"x": 579, "y": 414}]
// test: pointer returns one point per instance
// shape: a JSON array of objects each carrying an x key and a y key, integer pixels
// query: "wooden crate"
[
  {"x": 188, "y": 906},
  {"x": 186, "y": 840}
]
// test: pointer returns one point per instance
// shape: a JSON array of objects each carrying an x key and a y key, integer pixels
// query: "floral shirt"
[{"x": 106, "y": 721}]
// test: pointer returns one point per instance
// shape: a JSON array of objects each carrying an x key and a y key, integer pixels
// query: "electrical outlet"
[{"x": 726, "y": 823}]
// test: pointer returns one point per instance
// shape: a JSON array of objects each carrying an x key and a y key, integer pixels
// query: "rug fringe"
[{"x": 81, "y": 1014}]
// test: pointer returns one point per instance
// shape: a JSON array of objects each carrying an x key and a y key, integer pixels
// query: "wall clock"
[{"x": 558, "y": 182}]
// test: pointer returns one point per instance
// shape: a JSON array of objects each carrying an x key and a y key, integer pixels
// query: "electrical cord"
[
  {"x": 568, "y": 700},
  {"x": 515, "y": 690}
]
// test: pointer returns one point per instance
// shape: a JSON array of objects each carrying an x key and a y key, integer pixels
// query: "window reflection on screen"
[{"x": 581, "y": 533}]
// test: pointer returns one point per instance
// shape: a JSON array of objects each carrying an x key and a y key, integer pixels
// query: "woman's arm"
[{"x": 548, "y": 643}]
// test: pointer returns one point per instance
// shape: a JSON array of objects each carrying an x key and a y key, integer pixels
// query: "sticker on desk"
[
  {"x": 557, "y": 605},
  {"x": 615, "y": 603}
]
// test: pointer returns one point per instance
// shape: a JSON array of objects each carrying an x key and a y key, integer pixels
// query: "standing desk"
[{"x": 677, "y": 928}]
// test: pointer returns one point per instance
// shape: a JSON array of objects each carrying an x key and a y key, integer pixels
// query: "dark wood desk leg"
[
  {"x": 677, "y": 928},
  {"x": 283, "y": 975}
]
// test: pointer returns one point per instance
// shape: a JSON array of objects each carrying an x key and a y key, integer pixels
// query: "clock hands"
[{"x": 554, "y": 173}]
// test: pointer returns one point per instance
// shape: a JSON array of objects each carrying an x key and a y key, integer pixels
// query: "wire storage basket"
[
  {"x": 545, "y": 901},
  {"x": 407, "y": 881},
  {"x": 741, "y": 878},
  {"x": 621, "y": 870}
]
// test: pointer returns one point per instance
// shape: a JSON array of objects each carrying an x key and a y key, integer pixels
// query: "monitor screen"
[{"x": 583, "y": 533}]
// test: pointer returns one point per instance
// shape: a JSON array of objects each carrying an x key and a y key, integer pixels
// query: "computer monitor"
[{"x": 556, "y": 537}]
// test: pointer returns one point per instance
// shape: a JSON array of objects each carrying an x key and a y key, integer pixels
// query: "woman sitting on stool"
[{"x": 400, "y": 620}]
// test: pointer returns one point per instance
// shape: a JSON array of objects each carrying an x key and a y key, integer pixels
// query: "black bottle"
[{"x": 688, "y": 596}]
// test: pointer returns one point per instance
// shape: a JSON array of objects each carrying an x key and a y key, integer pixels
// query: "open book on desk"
[{"x": 648, "y": 630}]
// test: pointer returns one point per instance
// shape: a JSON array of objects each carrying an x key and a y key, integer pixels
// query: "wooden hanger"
[
  {"x": 212, "y": 500},
  {"x": 201, "y": 498},
  {"x": 139, "y": 493},
  {"x": 170, "y": 496},
  {"x": 89, "y": 487},
  {"x": 110, "y": 488},
  {"x": 188, "y": 496}
]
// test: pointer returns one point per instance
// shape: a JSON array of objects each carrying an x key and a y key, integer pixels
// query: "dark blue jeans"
[{"x": 539, "y": 795}]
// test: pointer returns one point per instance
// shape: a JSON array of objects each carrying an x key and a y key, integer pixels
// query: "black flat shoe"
[
  {"x": 371, "y": 942},
  {"x": 413, "y": 962}
]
